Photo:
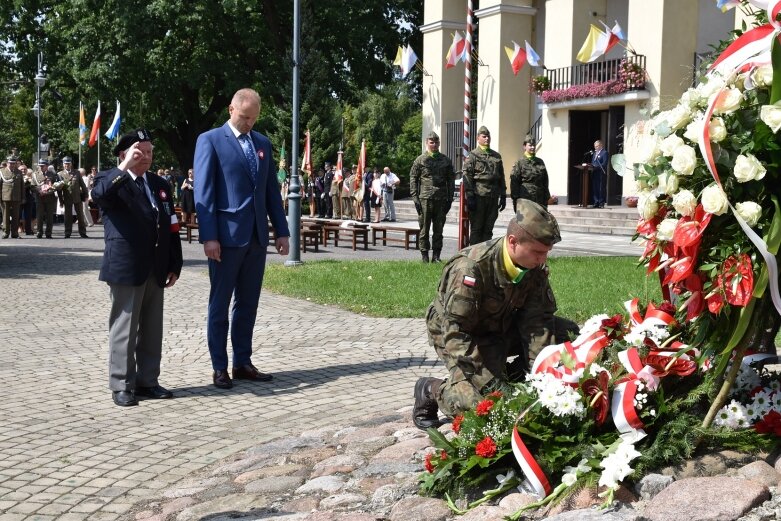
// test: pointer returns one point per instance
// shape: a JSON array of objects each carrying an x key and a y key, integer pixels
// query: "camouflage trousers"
[
  {"x": 433, "y": 215},
  {"x": 482, "y": 219}
]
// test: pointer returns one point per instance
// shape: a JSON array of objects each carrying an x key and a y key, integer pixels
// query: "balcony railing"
[{"x": 597, "y": 72}]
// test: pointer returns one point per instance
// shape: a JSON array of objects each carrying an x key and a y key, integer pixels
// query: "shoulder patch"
[{"x": 469, "y": 281}]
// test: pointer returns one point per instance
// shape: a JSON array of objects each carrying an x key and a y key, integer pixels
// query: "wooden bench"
[
  {"x": 355, "y": 232},
  {"x": 310, "y": 235},
  {"x": 410, "y": 235}
]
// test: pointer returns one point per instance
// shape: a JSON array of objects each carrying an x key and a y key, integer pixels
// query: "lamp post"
[
  {"x": 40, "y": 81},
  {"x": 294, "y": 196}
]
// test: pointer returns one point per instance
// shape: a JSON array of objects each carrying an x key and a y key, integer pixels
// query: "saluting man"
[{"x": 11, "y": 193}]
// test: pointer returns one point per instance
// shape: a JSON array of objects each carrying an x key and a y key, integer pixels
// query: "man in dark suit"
[
  {"x": 235, "y": 196},
  {"x": 598, "y": 174},
  {"x": 143, "y": 255}
]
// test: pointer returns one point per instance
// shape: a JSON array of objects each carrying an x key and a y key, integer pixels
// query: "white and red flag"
[
  {"x": 517, "y": 57},
  {"x": 93, "y": 136},
  {"x": 456, "y": 52}
]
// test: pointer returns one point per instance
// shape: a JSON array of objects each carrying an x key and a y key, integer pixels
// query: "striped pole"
[{"x": 463, "y": 218}]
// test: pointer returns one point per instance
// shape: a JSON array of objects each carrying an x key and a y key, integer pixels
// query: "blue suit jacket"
[
  {"x": 228, "y": 202},
  {"x": 139, "y": 241},
  {"x": 599, "y": 161}
]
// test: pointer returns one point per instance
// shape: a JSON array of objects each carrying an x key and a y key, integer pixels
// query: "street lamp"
[{"x": 40, "y": 81}]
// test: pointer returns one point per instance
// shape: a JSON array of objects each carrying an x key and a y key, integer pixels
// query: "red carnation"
[
  {"x": 429, "y": 466},
  {"x": 484, "y": 407},
  {"x": 486, "y": 447},
  {"x": 457, "y": 423}
]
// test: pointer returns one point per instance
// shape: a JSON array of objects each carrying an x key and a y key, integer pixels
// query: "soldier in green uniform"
[
  {"x": 493, "y": 302},
  {"x": 11, "y": 194},
  {"x": 432, "y": 184},
  {"x": 529, "y": 177},
  {"x": 45, "y": 197},
  {"x": 484, "y": 187},
  {"x": 72, "y": 194}
]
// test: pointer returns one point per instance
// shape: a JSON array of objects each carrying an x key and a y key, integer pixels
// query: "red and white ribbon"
[{"x": 535, "y": 477}]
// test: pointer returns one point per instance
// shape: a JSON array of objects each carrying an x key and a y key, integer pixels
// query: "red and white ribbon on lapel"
[
  {"x": 750, "y": 50},
  {"x": 535, "y": 476}
]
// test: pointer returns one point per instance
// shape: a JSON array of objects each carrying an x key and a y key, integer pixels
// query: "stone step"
[{"x": 610, "y": 220}]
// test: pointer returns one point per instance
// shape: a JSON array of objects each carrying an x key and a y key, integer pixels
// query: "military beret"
[
  {"x": 433, "y": 135},
  {"x": 43, "y": 161},
  {"x": 67, "y": 159},
  {"x": 483, "y": 131},
  {"x": 13, "y": 159},
  {"x": 537, "y": 222},
  {"x": 128, "y": 139}
]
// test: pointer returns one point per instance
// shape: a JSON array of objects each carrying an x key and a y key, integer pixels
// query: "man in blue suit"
[
  {"x": 235, "y": 196},
  {"x": 143, "y": 255},
  {"x": 598, "y": 174}
]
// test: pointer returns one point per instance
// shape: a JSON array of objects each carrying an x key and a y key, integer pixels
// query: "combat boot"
[
  {"x": 424, "y": 414},
  {"x": 424, "y": 255},
  {"x": 435, "y": 256}
]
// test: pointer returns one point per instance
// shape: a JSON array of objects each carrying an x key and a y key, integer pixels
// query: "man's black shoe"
[
  {"x": 250, "y": 372},
  {"x": 124, "y": 398},
  {"x": 84, "y": 236},
  {"x": 424, "y": 256},
  {"x": 222, "y": 380},
  {"x": 424, "y": 413},
  {"x": 157, "y": 392}
]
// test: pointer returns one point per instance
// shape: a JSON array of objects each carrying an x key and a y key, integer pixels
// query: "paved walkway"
[{"x": 66, "y": 452}]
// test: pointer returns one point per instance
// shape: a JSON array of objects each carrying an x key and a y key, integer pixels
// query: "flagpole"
[{"x": 463, "y": 220}]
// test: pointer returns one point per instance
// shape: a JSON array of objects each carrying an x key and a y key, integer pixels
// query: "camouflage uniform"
[
  {"x": 485, "y": 189},
  {"x": 480, "y": 317},
  {"x": 72, "y": 194},
  {"x": 45, "y": 199},
  {"x": 432, "y": 184},
  {"x": 11, "y": 194},
  {"x": 529, "y": 180}
]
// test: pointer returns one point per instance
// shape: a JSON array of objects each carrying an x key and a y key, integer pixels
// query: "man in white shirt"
[{"x": 389, "y": 182}]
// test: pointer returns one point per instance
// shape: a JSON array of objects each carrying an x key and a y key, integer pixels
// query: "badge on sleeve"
[{"x": 469, "y": 281}]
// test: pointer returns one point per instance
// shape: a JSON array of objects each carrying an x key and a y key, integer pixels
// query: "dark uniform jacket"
[
  {"x": 479, "y": 317},
  {"x": 529, "y": 180},
  {"x": 139, "y": 239}
]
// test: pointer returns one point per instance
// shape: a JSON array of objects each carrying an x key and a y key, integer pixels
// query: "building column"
[
  {"x": 504, "y": 103},
  {"x": 443, "y": 89}
]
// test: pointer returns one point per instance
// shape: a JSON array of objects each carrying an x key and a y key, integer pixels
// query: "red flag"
[
  {"x": 93, "y": 135},
  {"x": 339, "y": 161},
  {"x": 306, "y": 162},
  {"x": 362, "y": 157}
]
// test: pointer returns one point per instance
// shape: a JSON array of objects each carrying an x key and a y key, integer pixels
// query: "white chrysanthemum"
[
  {"x": 593, "y": 324},
  {"x": 775, "y": 401},
  {"x": 747, "y": 379},
  {"x": 761, "y": 401}
]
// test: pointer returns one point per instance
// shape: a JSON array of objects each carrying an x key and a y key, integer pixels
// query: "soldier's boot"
[
  {"x": 424, "y": 413},
  {"x": 424, "y": 255},
  {"x": 435, "y": 256}
]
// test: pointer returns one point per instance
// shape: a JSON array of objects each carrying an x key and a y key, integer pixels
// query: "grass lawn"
[{"x": 584, "y": 286}]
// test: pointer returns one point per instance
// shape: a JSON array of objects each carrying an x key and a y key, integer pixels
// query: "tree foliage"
[{"x": 174, "y": 64}]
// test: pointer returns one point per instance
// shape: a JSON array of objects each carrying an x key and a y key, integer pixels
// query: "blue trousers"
[{"x": 238, "y": 275}]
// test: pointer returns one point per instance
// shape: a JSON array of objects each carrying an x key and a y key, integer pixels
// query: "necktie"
[
  {"x": 141, "y": 186},
  {"x": 249, "y": 153}
]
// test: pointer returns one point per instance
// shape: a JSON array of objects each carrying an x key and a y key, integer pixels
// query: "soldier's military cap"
[
  {"x": 67, "y": 159},
  {"x": 136, "y": 136},
  {"x": 537, "y": 222},
  {"x": 529, "y": 140},
  {"x": 433, "y": 135},
  {"x": 43, "y": 161},
  {"x": 483, "y": 131},
  {"x": 12, "y": 159}
]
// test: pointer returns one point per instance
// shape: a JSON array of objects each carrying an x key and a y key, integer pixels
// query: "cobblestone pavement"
[{"x": 66, "y": 452}]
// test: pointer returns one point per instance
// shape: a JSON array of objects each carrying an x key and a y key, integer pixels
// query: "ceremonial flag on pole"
[
  {"x": 82, "y": 125},
  {"x": 610, "y": 38},
  {"x": 517, "y": 57},
  {"x": 113, "y": 130},
  {"x": 306, "y": 162},
  {"x": 93, "y": 136},
  {"x": 408, "y": 60},
  {"x": 456, "y": 52},
  {"x": 399, "y": 54},
  {"x": 339, "y": 162},
  {"x": 618, "y": 31},
  {"x": 531, "y": 56},
  {"x": 590, "y": 50},
  {"x": 362, "y": 157}
]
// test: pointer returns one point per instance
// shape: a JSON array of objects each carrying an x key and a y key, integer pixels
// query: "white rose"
[
  {"x": 666, "y": 229},
  {"x": 729, "y": 101},
  {"x": 714, "y": 200},
  {"x": 763, "y": 76},
  {"x": 771, "y": 116},
  {"x": 648, "y": 149},
  {"x": 717, "y": 130},
  {"x": 748, "y": 168},
  {"x": 749, "y": 212},
  {"x": 678, "y": 117},
  {"x": 684, "y": 160},
  {"x": 685, "y": 203},
  {"x": 713, "y": 84},
  {"x": 691, "y": 98},
  {"x": 694, "y": 130},
  {"x": 670, "y": 144},
  {"x": 668, "y": 183},
  {"x": 647, "y": 206}
]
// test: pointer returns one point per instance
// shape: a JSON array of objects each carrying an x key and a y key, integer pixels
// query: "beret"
[{"x": 138, "y": 135}]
